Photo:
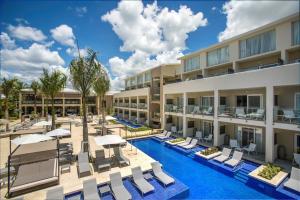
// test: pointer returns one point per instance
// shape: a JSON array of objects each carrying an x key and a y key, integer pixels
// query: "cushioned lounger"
[
  {"x": 235, "y": 160},
  {"x": 225, "y": 155},
  {"x": 294, "y": 180},
  {"x": 160, "y": 175},
  {"x": 140, "y": 182},
  {"x": 90, "y": 190},
  {"x": 187, "y": 142},
  {"x": 118, "y": 190}
]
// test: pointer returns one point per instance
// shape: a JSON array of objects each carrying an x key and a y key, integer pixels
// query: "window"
[
  {"x": 276, "y": 100},
  {"x": 218, "y": 56},
  {"x": 296, "y": 33},
  {"x": 169, "y": 101},
  {"x": 191, "y": 124},
  {"x": 222, "y": 129},
  {"x": 140, "y": 79},
  {"x": 207, "y": 102},
  {"x": 254, "y": 101},
  {"x": 258, "y": 44},
  {"x": 297, "y": 102},
  {"x": 222, "y": 101},
  {"x": 192, "y": 64},
  {"x": 148, "y": 76},
  {"x": 191, "y": 101},
  {"x": 241, "y": 101}
]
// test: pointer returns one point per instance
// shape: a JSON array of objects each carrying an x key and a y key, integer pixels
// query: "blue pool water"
[
  {"x": 204, "y": 182},
  {"x": 127, "y": 123}
]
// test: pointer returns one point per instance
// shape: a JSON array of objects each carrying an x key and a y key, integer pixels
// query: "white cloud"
[
  {"x": 6, "y": 41},
  {"x": 27, "y": 64},
  {"x": 154, "y": 35},
  {"x": 81, "y": 11},
  {"x": 74, "y": 52},
  {"x": 26, "y": 33},
  {"x": 214, "y": 8},
  {"x": 243, "y": 16},
  {"x": 64, "y": 35}
]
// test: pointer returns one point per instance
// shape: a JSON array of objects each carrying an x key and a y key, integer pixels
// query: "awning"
[
  {"x": 109, "y": 140},
  {"x": 29, "y": 139},
  {"x": 60, "y": 132},
  {"x": 43, "y": 123}
]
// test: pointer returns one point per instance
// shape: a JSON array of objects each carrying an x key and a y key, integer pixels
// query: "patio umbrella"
[
  {"x": 109, "y": 140},
  {"x": 108, "y": 118},
  {"x": 60, "y": 132},
  {"x": 43, "y": 123},
  {"x": 29, "y": 139}
]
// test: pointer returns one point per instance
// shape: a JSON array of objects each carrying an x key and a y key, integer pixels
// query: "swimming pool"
[
  {"x": 204, "y": 182},
  {"x": 129, "y": 124}
]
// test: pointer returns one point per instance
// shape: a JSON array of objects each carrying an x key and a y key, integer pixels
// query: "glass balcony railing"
[
  {"x": 72, "y": 101},
  {"x": 31, "y": 102},
  {"x": 254, "y": 113},
  {"x": 286, "y": 115},
  {"x": 133, "y": 105},
  {"x": 174, "y": 108},
  {"x": 142, "y": 106},
  {"x": 199, "y": 110}
]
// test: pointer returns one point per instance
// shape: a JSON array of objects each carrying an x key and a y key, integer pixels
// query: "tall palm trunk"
[
  {"x": 34, "y": 104},
  {"x": 53, "y": 114},
  {"x": 47, "y": 106},
  {"x": 102, "y": 112},
  {"x": 6, "y": 112},
  {"x": 84, "y": 122}
]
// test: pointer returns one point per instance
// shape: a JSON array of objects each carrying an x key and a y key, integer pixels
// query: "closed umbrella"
[
  {"x": 29, "y": 139},
  {"x": 43, "y": 123},
  {"x": 60, "y": 132}
]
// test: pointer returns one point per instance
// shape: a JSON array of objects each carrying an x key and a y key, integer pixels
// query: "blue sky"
[{"x": 88, "y": 26}]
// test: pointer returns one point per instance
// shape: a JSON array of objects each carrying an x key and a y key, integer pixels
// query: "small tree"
[
  {"x": 101, "y": 86},
  {"x": 35, "y": 86},
  {"x": 83, "y": 73},
  {"x": 54, "y": 82}
]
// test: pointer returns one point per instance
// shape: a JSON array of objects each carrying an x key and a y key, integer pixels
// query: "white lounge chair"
[
  {"x": 90, "y": 190},
  {"x": 289, "y": 115},
  {"x": 224, "y": 156},
  {"x": 294, "y": 180},
  {"x": 240, "y": 112},
  {"x": 259, "y": 114},
  {"x": 233, "y": 144},
  {"x": 118, "y": 189},
  {"x": 187, "y": 142},
  {"x": 208, "y": 138},
  {"x": 250, "y": 148},
  {"x": 140, "y": 182},
  {"x": 209, "y": 111},
  {"x": 196, "y": 110},
  {"x": 193, "y": 144},
  {"x": 165, "y": 137},
  {"x": 297, "y": 158},
  {"x": 55, "y": 193},
  {"x": 235, "y": 160},
  {"x": 199, "y": 135},
  {"x": 160, "y": 175}
]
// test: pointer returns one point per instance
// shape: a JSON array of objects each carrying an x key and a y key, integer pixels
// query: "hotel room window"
[
  {"x": 218, "y": 56},
  {"x": 296, "y": 33},
  {"x": 192, "y": 64}
]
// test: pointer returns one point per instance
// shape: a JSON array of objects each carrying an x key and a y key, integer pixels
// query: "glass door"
[
  {"x": 207, "y": 102},
  {"x": 241, "y": 101},
  {"x": 254, "y": 102},
  {"x": 248, "y": 136},
  {"x": 207, "y": 128}
]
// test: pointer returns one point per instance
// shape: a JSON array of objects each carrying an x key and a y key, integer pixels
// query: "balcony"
[
  {"x": 133, "y": 105},
  {"x": 242, "y": 113},
  {"x": 142, "y": 106},
  {"x": 72, "y": 101},
  {"x": 200, "y": 110},
  {"x": 287, "y": 116},
  {"x": 156, "y": 116},
  {"x": 174, "y": 108},
  {"x": 31, "y": 102}
]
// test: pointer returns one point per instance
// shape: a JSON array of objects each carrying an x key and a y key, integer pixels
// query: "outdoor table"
[{"x": 104, "y": 189}]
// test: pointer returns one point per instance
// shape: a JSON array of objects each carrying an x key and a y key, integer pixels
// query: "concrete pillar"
[
  {"x": 184, "y": 120},
  {"x": 216, "y": 122},
  {"x": 235, "y": 66},
  {"x": 269, "y": 124},
  {"x": 162, "y": 107},
  {"x": 284, "y": 56},
  {"x": 148, "y": 108}
]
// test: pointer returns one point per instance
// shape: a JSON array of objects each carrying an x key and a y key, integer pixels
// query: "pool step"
[{"x": 242, "y": 174}]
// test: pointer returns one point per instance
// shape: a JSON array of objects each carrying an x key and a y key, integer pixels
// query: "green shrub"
[
  {"x": 269, "y": 171},
  {"x": 143, "y": 128},
  {"x": 177, "y": 140},
  {"x": 209, "y": 151}
]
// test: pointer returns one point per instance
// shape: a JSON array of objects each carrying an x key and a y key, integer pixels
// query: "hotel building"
[{"x": 244, "y": 88}]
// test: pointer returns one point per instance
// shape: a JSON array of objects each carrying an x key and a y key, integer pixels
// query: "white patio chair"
[
  {"x": 250, "y": 148},
  {"x": 297, "y": 159},
  {"x": 233, "y": 144}
]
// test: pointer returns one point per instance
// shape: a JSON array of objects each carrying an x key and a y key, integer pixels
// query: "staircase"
[{"x": 242, "y": 173}]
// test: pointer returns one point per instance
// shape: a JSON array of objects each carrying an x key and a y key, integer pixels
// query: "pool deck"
[{"x": 70, "y": 181}]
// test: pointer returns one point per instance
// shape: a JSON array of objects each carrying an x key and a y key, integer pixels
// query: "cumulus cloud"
[
  {"x": 243, "y": 16},
  {"x": 26, "y": 33},
  {"x": 74, "y": 52},
  {"x": 154, "y": 35},
  {"x": 6, "y": 41},
  {"x": 64, "y": 35}
]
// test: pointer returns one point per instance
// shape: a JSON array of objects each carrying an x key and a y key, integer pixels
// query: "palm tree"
[
  {"x": 8, "y": 88},
  {"x": 84, "y": 71},
  {"x": 54, "y": 82},
  {"x": 44, "y": 87},
  {"x": 35, "y": 86},
  {"x": 101, "y": 86}
]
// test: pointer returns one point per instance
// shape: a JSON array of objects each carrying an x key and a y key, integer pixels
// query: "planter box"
[
  {"x": 275, "y": 181},
  {"x": 208, "y": 157}
]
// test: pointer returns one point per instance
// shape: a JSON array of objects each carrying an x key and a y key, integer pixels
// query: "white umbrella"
[
  {"x": 108, "y": 118},
  {"x": 43, "y": 123},
  {"x": 60, "y": 132},
  {"x": 29, "y": 139},
  {"x": 109, "y": 140}
]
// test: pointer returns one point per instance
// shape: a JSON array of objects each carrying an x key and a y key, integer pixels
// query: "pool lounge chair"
[
  {"x": 259, "y": 114},
  {"x": 250, "y": 148},
  {"x": 193, "y": 144},
  {"x": 83, "y": 165},
  {"x": 235, "y": 160},
  {"x": 187, "y": 142},
  {"x": 90, "y": 190},
  {"x": 160, "y": 175},
  {"x": 120, "y": 157},
  {"x": 55, "y": 193},
  {"x": 165, "y": 137},
  {"x": 294, "y": 180},
  {"x": 140, "y": 182},
  {"x": 224, "y": 156},
  {"x": 196, "y": 110},
  {"x": 117, "y": 187},
  {"x": 164, "y": 133},
  {"x": 101, "y": 162}
]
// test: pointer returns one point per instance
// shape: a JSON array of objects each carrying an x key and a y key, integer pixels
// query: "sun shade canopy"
[
  {"x": 29, "y": 139},
  {"x": 109, "y": 140},
  {"x": 60, "y": 132}
]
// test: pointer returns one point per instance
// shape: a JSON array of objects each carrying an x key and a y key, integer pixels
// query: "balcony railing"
[
  {"x": 287, "y": 115},
  {"x": 253, "y": 113},
  {"x": 200, "y": 110},
  {"x": 142, "y": 106},
  {"x": 67, "y": 101},
  {"x": 174, "y": 108},
  {"x": 133, "y": 105},
  {"x": 31, "y": 102}
]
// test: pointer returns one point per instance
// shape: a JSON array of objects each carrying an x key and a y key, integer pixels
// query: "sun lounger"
[
  {"x": 101, "y": 162},
  {"x": 55, "y": 193},
  {"x": 120, "y": 157},
  {"x": 240, "y": 112},
  {"x": 90, "y": 190},
  {"x": 224, "y": 156},
  {"x": 193, "y": 144},
  {"x": 294, "y": 180},
  {"x": 235, "y": 160},
  {"x": 160, "y": 175},
  {"x": 166, "y": 136},
  {"x": 118, "y": 190},
  {"x": 164, "y": 133},
  {"x": 187, "y": 142},
  {"x": 83, "y": 165},
  {"x": 140, "y": 182}
]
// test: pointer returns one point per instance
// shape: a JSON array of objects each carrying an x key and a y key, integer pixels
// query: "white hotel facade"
[{"x": 245, "y": 88}]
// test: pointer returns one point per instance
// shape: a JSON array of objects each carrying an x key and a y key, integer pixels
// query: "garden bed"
[
  {"x": 175, "y": 141},
  {"x": 209, "y": 153}
]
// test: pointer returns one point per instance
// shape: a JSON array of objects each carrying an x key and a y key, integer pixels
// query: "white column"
[
  {"x": 269, "y": 124},
  {"x": 184, "y": 122},
  {"x": 148, "y": 108},
  {"x": 216, "y": 122},
  {"x": 162, "y": 107}
]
